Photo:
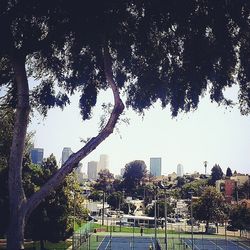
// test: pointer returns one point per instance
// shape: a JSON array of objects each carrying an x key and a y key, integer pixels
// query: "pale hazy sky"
[{"x": 211, "y": 133}]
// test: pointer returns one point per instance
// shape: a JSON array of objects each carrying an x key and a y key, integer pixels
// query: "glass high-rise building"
[
  {"x": 155, "y": 166},
  {"x": 36, "y": 155},
  {"x": 66, "y": 154}
]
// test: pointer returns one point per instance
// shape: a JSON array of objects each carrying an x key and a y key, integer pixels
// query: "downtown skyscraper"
[{"x": 155, "y": 166}]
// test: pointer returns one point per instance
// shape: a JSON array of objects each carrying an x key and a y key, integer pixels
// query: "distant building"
[
  {"x": 79, "y": 173},
  {"x": 92, "y": 170},
  {"x": 103, "y": 163},
  {"x": 180, "y": 170},
  {"x": 240, "y": 179},
  {"x": 66, "y": 154},
  {"x": 226, "y": 187},
  {"x": 155, "y": 166},
  {"x": 37, "y": 155}
]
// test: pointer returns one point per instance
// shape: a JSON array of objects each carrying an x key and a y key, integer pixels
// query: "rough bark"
[
  {"x": 20, "y": 208},
  {"x": 17, "y": 197}
]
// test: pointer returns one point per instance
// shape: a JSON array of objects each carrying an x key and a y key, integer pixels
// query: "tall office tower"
[
  {"x": 78, "y": 172},
  {"x": 180, "y": 170},
  {"x": 66, "y": 154},
  {"x": 155, "y": 166},
  {"x": 92, "y": 170},
  {"x": 37, "y": 155},
  {"x": 103, "y": 163}
]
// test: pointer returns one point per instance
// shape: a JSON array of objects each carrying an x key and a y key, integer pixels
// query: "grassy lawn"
[{"x": 48, "y": 245}]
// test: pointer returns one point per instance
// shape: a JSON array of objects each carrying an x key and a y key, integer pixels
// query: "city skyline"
[{"x": 212, "y": 133}]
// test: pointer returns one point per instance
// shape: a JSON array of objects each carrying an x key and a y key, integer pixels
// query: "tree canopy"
[
  {"x": 229, "y": 172},
  {"x": 216, "y": 174},
  {"x": 170, "y": 51},
  {"x": 134, "y": 173},
  {"x": 210, "y": 207},
  {"x": 240, "y": 217}
]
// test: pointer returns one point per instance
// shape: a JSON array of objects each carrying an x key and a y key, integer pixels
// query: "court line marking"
[
  {"x": 245, "y": 245},
  {"x": 101, "y": 242},
  {"x": 216, "y": 244},
  {"x": 238, "y": 245},
  {"x": 194, "y": 245}
]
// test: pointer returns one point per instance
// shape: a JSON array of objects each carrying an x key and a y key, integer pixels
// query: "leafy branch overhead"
[{"x": 170, "y": 52}]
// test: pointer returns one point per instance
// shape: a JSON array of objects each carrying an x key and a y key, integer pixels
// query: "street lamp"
[
  {"x": 103, "y": 201},
  {"x": 162, "y": 186},
  {"x": 192, "y": 221},
  {"x": 155, "y": 210}
]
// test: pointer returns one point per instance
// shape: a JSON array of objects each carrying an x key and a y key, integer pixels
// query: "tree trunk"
[
  {"x": 20, "y": 209},
  {"x": 42, "y": 247},
  {"x": 207, "y": 225},
  {"x": 17, "y": 199}
]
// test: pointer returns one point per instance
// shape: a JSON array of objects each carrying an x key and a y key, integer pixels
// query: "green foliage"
[
  {"x": 229, "y": 172},
  {"x": 197, "y": 186},
  {"x": 128, "y": 208},
  {"x": 115, "y": 199},
  {"x": 216, "y": 174},
  {"x": 53, "y": 219},
  {"x": 244, "y": 190},
  {"x": 156, "y": 44},
  {"x": 210, "y": 207},
  {"x": 104, "y": 182},
  {"x": 160, "y": 209},
  {"x": 95, "y": 195},
  {"x": 180, "y": 181},
  {"x": 240, "y": 217},
  {"x": 134, "y": 174}
]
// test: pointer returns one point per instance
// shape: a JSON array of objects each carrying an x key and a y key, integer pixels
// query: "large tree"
[
  {"x": 134, "y": 174},
  {"x": 216, "y": 174},
  {"x": 229, "y": 172},
  {"x": 210, "y": 207},
  {"x": 240, "y": 217},
  {"x": 152, "y": 50}
]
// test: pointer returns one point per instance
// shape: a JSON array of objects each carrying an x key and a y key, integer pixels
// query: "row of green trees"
[
  {"x": 209, "y": 207},
  {"x": 53, "y": 219}
]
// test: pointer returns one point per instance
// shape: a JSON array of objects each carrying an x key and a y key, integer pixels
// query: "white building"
[
  {"x": 66, "y": 154},
  {"x": 180, "y": 170},
  {"x": 103, "y": 163},
  {"x": 92, "y": 170}
]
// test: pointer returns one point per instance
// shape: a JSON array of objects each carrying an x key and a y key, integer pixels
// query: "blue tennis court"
[
  {"x": 218, "y": 244},
  {"x": 122, "y": 243}
]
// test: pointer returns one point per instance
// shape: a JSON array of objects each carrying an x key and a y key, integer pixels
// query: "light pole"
[
  {"x": 103, "y": 201},
  {"x": 162, "y": 186},
  {"x": 155, "y": 210},
  {"x": 192, "y": 221}
]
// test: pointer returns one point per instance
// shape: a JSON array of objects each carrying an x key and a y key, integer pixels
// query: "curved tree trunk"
[
  {"x": 19, "y": 207},
  {"x": 17, "y": 198}
]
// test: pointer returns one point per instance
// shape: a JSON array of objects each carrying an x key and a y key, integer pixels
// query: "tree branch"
[{"x": 75, "y": 158}]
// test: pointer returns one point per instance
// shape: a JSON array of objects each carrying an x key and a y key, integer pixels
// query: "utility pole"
[
  {"x": 103, "y": 201},
  {"x": 165, "y": 211},
  {"x": 155, "y": 211},
  {"x": 192, "y": 219}
]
